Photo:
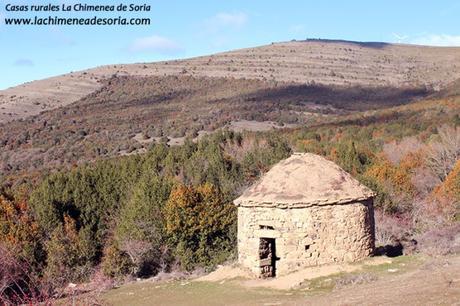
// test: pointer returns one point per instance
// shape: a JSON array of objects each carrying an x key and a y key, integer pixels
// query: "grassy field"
[
  {"x": 194, "y": 293},
  {"x": 234, "y": 292}
]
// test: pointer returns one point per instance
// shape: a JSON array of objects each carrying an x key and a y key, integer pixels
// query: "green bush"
[
  {"x": 71, "y": 254},
  {"x": 140, "y": 228},
  {"x": 198, "y": 223},
  {"x": 115, "y": 262}
]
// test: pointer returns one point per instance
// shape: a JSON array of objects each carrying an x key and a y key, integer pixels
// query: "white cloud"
[
  {"x": 437, "y": 40},
  {"x": 226, "y": 20},
  {"x": 156, "y": 44},
  {"x": 24, "y": 62}
]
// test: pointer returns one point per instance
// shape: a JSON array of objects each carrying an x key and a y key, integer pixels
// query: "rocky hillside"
[
  {"x": 338, "y": 63},
  {"x": 129, "y": 113}
]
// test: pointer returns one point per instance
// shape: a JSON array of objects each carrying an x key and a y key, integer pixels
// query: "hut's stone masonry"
[{"x": 305, "y": 211}]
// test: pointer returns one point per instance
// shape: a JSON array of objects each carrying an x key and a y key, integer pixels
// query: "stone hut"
[{"x": 305, "y": 211}]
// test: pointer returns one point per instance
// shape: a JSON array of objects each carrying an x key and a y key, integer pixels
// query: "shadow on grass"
[{"x": 396, "y": 249}]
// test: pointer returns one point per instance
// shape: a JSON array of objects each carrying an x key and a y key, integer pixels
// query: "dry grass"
[
  {"x": 407, "y": 280},
  {"x": 128, "y": 114},
  {"x": 354, "y": 279}
]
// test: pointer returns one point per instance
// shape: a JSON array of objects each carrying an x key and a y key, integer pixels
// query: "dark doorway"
[{"x": 267, "y": 256}]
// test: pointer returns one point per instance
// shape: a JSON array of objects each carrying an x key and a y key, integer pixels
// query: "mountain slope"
[
  {"x": 322, "y": 62},
  {"x": 130, "y": 113}
]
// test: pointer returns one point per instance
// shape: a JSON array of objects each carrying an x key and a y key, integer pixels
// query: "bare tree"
[
  {"x": 443, "y": 154},
  {"x": 395, "y": 151},
  {"x": 424, "y": 180},
  {"x": 390, "y": 228},
  {"x": 9, "y": 273},
  {"x": 17, "y": 284},
  {"x": 136, "y": 250}
]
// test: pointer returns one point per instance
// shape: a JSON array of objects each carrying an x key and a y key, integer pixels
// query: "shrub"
[
  {"x": 115, "y": 262},
  {"x": 440, "y": 241},
  {"x": 140, "y": 229},
  {"x": 19, "y": 231},
  {"x": 19, "y": 284},
  {"x": 445, "y": 152},
  {"x": 70, "y": 254},
  {"x": 446, "y": 196},
  {"x": 451, "y": 186},
  {"x": 350, "y": 158},
  {"x": 199, "y": 224},
  {"x": 394, "y": 182},
  {"x": 390, "y": 229}
]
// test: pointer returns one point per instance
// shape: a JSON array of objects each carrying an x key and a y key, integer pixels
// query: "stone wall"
[{"x": 306, "y": 236}]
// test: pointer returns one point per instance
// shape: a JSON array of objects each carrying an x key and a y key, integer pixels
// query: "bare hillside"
[{"x": 314, "y": 61}]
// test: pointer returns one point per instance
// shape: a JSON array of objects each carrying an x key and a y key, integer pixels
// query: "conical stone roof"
[{"x": 303, "y": 180}]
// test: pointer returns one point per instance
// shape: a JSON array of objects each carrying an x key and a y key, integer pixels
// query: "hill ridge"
[{"x": 324, "y": 62}]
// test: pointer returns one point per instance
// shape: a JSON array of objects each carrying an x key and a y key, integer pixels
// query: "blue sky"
[{"x": 181, "y": 29}]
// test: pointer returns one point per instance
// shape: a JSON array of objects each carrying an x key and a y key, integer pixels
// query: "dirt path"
[
  {"x": 292, "y": 280},
  {"x": 434, "y": 283}
]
